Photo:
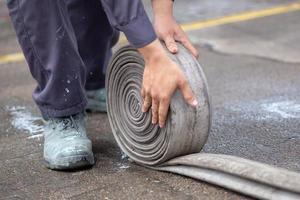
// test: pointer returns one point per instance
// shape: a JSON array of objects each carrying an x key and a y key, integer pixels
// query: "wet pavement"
[{"x": 253, "y": 70}]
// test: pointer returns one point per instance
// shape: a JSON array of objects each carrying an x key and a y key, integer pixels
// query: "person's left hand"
[{"x": 168, "y": 30}]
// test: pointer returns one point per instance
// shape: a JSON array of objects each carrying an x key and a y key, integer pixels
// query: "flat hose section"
[{"x": 175, "y": 148}]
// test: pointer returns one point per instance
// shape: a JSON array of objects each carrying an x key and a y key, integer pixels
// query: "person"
[{"x": 67, "y": 45}]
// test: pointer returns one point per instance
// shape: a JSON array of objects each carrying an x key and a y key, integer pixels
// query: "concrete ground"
[{"x": 253, "y": 69}]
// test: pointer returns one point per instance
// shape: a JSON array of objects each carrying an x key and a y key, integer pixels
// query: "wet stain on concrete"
[
  {"x": 25, "y": 121},
  {"x": 285, "y": 109},
  {"x": 266, "y": 109}
]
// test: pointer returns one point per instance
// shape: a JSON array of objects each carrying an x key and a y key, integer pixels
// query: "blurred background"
[{"x": 250, "y": 52}]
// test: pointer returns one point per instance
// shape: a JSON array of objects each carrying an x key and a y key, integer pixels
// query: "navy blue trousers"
[{"x": 67, "y": 45}]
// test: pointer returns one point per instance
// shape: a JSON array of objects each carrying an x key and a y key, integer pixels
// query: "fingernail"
[
  {"x": 161, "y": 125},
  {"x": 195, "y": 102}
]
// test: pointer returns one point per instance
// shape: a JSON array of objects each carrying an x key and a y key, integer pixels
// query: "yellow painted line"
[
  {"x": 242, "y": 17},
  {"x": 17, "y": 57}
]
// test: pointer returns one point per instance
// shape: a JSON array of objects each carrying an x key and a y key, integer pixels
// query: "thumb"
[
  {"x": 171, "y": 44},
  {"x": 188, "y": 94}
]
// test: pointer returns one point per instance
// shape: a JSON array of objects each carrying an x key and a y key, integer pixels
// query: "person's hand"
[
  {"x": 167, "y": 29},
  {"x": 162, "y": 77}
]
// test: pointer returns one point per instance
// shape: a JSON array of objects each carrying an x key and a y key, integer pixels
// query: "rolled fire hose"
[{"x": 175, "y": 148}]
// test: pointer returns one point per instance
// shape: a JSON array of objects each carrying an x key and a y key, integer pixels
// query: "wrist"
[{"x": 152, "y": 52}]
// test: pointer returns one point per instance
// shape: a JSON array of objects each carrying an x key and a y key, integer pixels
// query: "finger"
[
  {"x": 154, "y": 108},
  {"x": 146, "y": 103},
  {"x": 188, "y": 93},
  {"x": 187, "y": 44},
  {"x": 143, "y": 93},
  {"x": 143, "y": 98},
  {"x": 163, "y": 111},
  {"x": 171, "y": 44}
]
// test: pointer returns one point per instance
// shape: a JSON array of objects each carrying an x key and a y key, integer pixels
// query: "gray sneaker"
[
  {"x": 96, "y": 100},
  {"x": 66, "y": 145}
]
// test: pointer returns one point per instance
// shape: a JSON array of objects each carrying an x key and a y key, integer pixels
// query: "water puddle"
[
  {"x": 122, "y": 166},
  {"x": 22, "y": 119},
  {"x": 124, "y": 163}
]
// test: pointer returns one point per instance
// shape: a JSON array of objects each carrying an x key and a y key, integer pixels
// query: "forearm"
[{"x": 162, "y": 8}]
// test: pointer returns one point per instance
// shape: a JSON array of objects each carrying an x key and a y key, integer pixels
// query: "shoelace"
[
  {"x": 65, "y": 124},
  {"x": 70, "y": 122}
]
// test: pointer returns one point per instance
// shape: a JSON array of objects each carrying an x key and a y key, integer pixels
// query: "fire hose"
[{"x": 175, "y": 148}]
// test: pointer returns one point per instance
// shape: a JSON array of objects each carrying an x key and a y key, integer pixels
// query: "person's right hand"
[{"x": 162, "y": 77}]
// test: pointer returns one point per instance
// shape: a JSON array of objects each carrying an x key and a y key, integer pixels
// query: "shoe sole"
[{"x": 72, "y": 163}]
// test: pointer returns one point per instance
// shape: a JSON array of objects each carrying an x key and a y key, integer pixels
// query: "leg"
[
  {"x": 95, "y": 37},
  {"x": 49, "y": 44},
  {"x": 50, "y": 47}
]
